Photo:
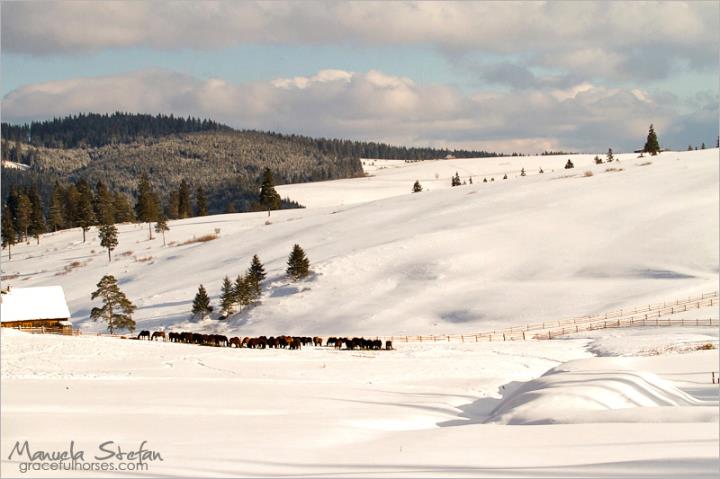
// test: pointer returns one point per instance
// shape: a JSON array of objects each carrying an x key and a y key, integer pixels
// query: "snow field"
[{"x": 453, "y": 260}]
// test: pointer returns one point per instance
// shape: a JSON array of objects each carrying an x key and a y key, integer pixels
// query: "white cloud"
[{"x": 376, "y": 106}]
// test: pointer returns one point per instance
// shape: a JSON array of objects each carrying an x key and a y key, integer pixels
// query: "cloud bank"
[{"x": 375, "y": 105}]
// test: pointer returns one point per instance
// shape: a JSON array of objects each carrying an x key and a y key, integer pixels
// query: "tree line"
[
  {"x": 94, "y": 129},
  {"x": 81, "y": 205}
]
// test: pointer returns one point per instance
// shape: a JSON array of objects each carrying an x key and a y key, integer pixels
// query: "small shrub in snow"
[
  {"x": 645, "y": 164},
  {"x": 569, "y": 165},
  {"x": 417, "y": 187},
  {"x": 588, "y": 173},
  {"x": 610, "y": 170},
  {"x": 598, "y": 160},
  {"x": 200, "y": 239}
]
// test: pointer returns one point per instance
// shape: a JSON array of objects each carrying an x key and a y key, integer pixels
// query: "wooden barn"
[{"x": 42, "y": 307}]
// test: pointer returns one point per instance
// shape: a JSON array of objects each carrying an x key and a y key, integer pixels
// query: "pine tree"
[
  {"x": 117, "y": 309},
  {"x": 470, "y": 180},
  {"x": 598, "y": 160},
  {"x": 241, "y": 290},
  {"x": 569, "y": 165},
  {"x": 455, "y": 180},
  {"x": 108, "y": 238},
  {"x": 689, "y": 148},
  {"x": 541, "y": 171},
  {"x": 123, "y": 211},
  {"x": 147, "y": 207},
  {"x": 651, "y": 145},
  {"x": 702, "y": 147},
  {"x": 184, "y": 209},
  {"x": 417, "y": 187},
  {"x": 23, "y": 215},
  {"x": 505, "y": 176},
  {"x": 227, "y": 297},
  {"x": 298, "y": 264},
  {"x": 257, "y": 270},
  {"x": 161, "y": 226},
  {"x": 85, "y": 212},
  {"x": 484, "y": 180},
  {"x": 72, "y": 205},
  {"x": 201, "y": 204},
  {"x": 37, "y": 215},
  {"x": 609, "y": 158},
  {"x": 522, "y": 171},
  {"x": 269, "y": 198},
  {"x": 56, "y": 219},
  {"x": 9, "y": 235},
  {"x": 104, "y": 204},
  {"x": 172, "y": 210},
  {"x": 201, "y": 303}
]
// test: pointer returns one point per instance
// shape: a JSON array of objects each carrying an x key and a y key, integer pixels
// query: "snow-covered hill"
[{"x": 469, "y": 258}]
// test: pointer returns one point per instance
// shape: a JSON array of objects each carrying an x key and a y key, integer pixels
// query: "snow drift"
[{"x": 600, "y": 390}]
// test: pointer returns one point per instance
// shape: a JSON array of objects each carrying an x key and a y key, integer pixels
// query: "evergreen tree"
[
  {"x": 85, "y": 212},
  {"x": 9, "y": 235},
  {"x": 201, "y": 303},
  {"x": 37, "y": 215},
  {"x": 56, "y": 219},
  {"x": 609, "y": 158},
  {"x": 569, "y": 165},
  {"x": 470, "y": 180},
  {"x": 417, "y": 187},
  {"x": 161, "y": 227},
  {"x": 227, "y": 297},
  {"x": 72, "y": 206},
  {"x": 541, "y": 171},
  {"x": 257, "y": 270},
  {"x": 484, "y": 180},
  {"x": 689, "y": 148},
  {"x": 598, "y": 160},
  {"x": 147, "y": 207},
  {"x": 172, "y": 210},
  {"x": 108, "y": 238},
  {"x": 241, "y": 290},
  {"x": 269, "y": 198},
  {"x": 505, "y": 176},
  {"x": 201, "y": 205},
  {"x": 104, "y": 206},
  {"x": 123, "y": 211},
  {"x": 117, "y": 309},
  {"x": 184, "y": 209},
  {"x": 298, "y": 264},
  {"x": 522, "y": 171},
  {"x": 455, "y": 180},
  {"x": 23, "y": 215},
  {"x": 651, "y": 145},
  {"x": 702, "y": 147}
]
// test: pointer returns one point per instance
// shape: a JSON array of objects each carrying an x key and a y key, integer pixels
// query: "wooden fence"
[{"x": 641, "y": 316}]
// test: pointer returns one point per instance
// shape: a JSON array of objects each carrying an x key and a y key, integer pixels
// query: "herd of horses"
[{"x": 263, "y": 342}]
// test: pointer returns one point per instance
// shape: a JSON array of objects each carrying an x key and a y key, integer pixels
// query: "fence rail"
[{"x": 641, "y": 316}]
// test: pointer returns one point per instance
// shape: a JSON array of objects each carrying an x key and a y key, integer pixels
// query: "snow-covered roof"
[{"x": 27, "y": 304}]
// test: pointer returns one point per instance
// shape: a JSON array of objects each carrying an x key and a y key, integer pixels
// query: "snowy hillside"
[{"x": 462, "y": 259}]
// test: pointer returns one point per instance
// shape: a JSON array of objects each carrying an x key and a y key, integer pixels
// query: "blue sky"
[{"x": 499, "y": 76}]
